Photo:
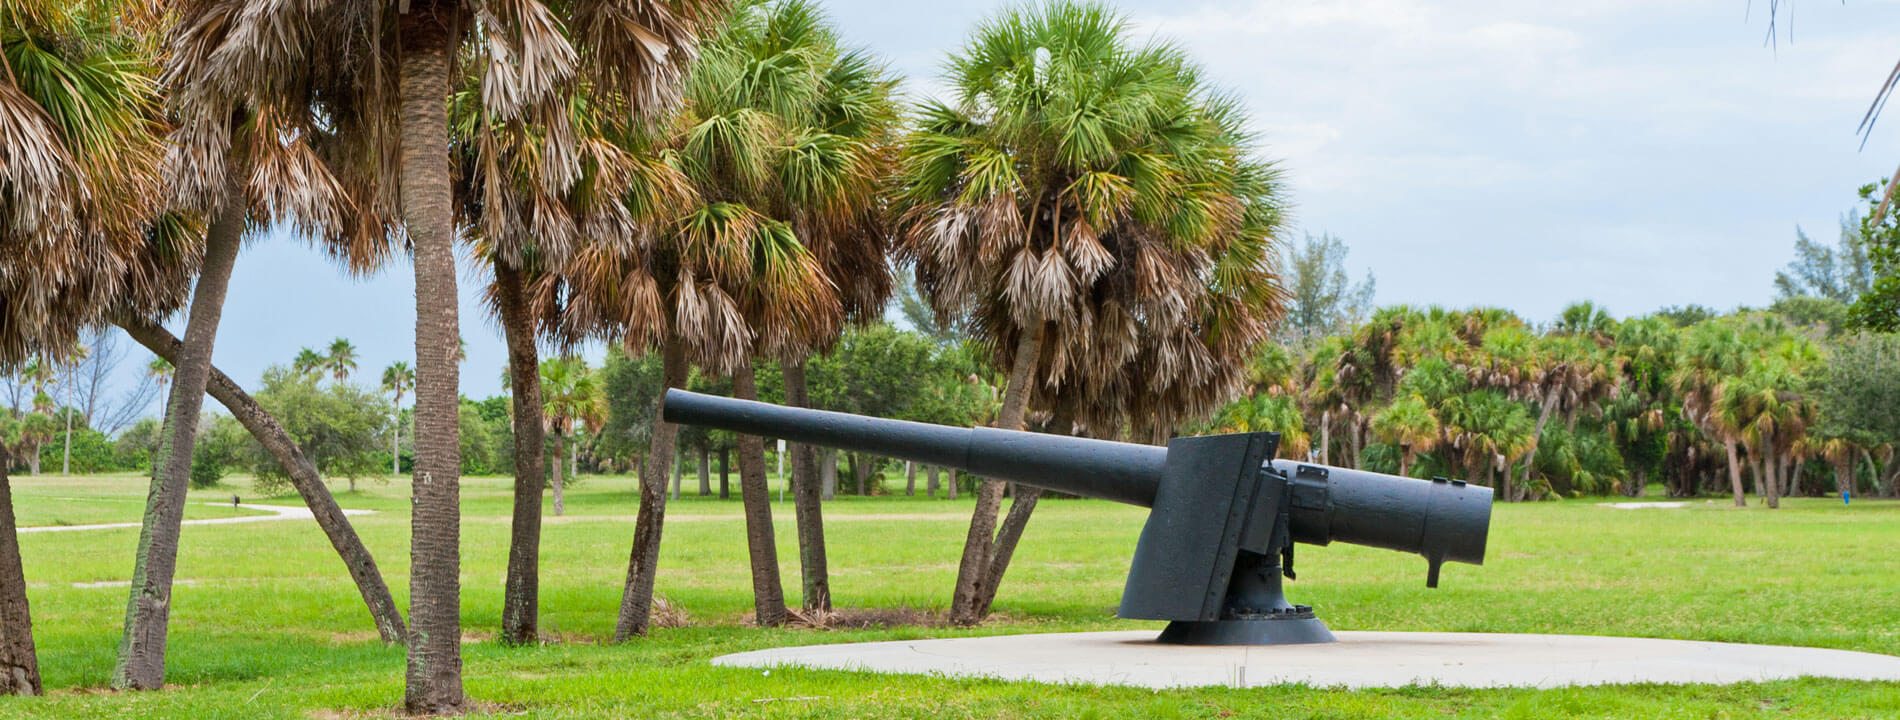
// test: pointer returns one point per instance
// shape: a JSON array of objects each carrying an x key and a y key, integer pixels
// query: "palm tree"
[
  {"x": 1072, "y": 204},
  {"x": 375, "y": 79},
  {"x": 398, "y": 378},
  {"x": 539, "y": 173},
  {"x": 574, "y": 396},
  {"x": 831, "y": 115},
  {"x": 1410, "y": 424},
  {"x": 78, "y": 191},
  {"x": 1765, "y": 408},
  {"x": 161, "y": 372},
  {"x": 1489, "y": 431},
  {"x": 340, "y": 360},
  {"x": 308, "y": 362},
  {"x": 77, "y": 356},
  {"x": 1712, "y": 352},
  {"x": 771, "y": 163}
]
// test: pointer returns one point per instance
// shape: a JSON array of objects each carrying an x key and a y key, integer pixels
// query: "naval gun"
[{"x": 1225, "y": 514}]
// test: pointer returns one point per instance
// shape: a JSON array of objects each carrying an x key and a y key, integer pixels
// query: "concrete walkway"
[
  {"x": 1358, "y": 660},
  {"x": 277, "y": 512}
]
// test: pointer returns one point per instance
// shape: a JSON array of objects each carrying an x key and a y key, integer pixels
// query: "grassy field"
[{"x": 267, "y": 625}]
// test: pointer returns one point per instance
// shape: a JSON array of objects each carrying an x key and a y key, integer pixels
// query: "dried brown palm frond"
[{"x": 81, "y": 134}]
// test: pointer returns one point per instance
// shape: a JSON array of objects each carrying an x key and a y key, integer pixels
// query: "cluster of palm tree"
[
  {"x": 1695, "y": 404},
  {"x": 27, "y": 427},
  {"x": 718, "y": 185},
  {"x": 337, "y": 361}
]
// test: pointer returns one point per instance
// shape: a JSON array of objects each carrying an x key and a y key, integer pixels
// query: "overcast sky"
[{"x": 1496, "y": 152}]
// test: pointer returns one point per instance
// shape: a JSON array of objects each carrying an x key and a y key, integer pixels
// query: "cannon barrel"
[
  {"x": 1225, "y": 515},
  {"x": 1122, "y": 472},
  {"x": 1443, "y": 519}
]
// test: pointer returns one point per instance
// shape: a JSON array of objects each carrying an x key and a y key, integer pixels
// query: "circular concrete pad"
[{"x": 1359, "y": 659}]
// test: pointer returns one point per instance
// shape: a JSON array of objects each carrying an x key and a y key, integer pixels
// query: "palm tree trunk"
[
  {"x": 1017, "y": 520},
  {"x": 725, "y": 472},
  {"x": 930, "y": 485},
  {"x": 828, "y": 474},
  {"x": 1771, "y": 477},
  {"x": 141, "y": 661},
  {"x": 1325, "y": 435},
  {"x": 19, "y": 664},
  {"x": 1548, "y": 403},
  {"x": 559, "y": 486},
  {"x": 303, "y": 476},
  {"x": 705, "y": 471},
  {"x": 910, "y": 479},
  {"x": 66, "y": 459},
  {"x": 1405, "y": 461},
  {"x": 433, "y": 681},
  {"x": 636, "y": 600},
  {"x": 860, "y": 469},
  {"x": 1777, "y": 477},
  {"x": 973, "y": 569},
  {"x": 520, "y": 608},
  {"x": 395, "y": 438},
  {"x": 950, "y": 487},
  {"x": 679, "y": 471},
  {"x": 806, "y": 500},
  {"x": 1735, "y": 474},
  {"x": 768, "y": 595}
]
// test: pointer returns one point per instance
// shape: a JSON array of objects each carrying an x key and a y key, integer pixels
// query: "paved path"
[
  {"x": 277, "y": 512},
  {"x": 1359, "y": 659}
]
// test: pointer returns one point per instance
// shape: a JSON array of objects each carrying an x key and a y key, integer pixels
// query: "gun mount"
[{"x": 1225, "y": 518}]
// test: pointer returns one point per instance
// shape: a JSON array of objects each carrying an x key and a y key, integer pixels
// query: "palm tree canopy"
[
  {"x": 1102, "y": 187},
  {"x": 572, "y": 392},
  {"x": 81, "y": 226},
  {"x": 1409, "y": 423},
  {"x": 308, "y": 361},
  {"x": 762, "y": 189},
  {"x": 398, "y": 378},
  {"x": 341, "y": 359}
]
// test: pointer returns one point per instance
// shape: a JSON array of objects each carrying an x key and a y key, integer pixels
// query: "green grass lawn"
[
  {"x": 269, "y": 625},
  {"x": 99, "y": 499}
]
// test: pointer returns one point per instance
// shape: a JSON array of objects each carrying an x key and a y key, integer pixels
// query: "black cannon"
[{"x": 1225, "y": 513}]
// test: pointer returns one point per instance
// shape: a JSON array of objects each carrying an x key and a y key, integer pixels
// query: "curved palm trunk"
[
  {"x": 1547, "y": 403},
  {"x": 520, "y": 608},
  {"x": 636, "y": 599},
  {"x": 768, "y": 595},
  {"x": 141, "y": 661},
  {"x": 19, "y": 665},
  {"x": 303, "y": 476},
  {"x": 1011, "y": 532},
  {"x": 1735, "y": 474},
  {"x": 433, "y": 681},
  {"x": 806, "y": 500},
  {"x": 966, "y": 604}
]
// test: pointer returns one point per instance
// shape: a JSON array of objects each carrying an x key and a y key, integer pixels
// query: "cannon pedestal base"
[
  {"x": 1255, "y": 612},
  {"x": 1278, "y": 631}
]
